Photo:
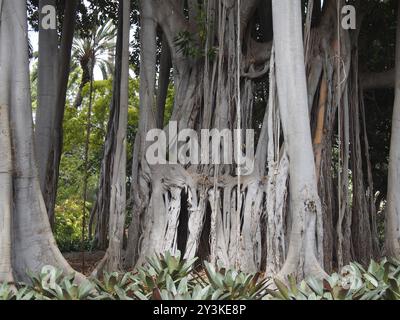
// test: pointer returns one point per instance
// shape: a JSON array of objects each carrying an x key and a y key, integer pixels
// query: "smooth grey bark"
[
  {"x": 392, "y": 229},
  {"x": 140, "y": 170},
  {"x": 5, "y": 188},
  {"x": 46, "y": 94},
  {"x": 292, "y": 94},
  {"x": 101, "y": 210},
  {"x": 32, "y": 243},
  {"x": 114, "y": 256},
  {"x": 53, "y": 162}
]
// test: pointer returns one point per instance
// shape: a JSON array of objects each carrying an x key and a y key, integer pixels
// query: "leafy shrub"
[
  {"x": 160, "y": 272},
  {"x": 52, "y": 284},
  {"x": 68, "y": 231},
  {"x": 6, "y": 292},
  {"x": 182, "y": 291},
  {"x": 233, "y": 285},
  {"x": 9, "y": 292},
  {"x": 115, "y": 286},
  {"x": 381, "y": 281},
  {"x": 168, "y": 277}
]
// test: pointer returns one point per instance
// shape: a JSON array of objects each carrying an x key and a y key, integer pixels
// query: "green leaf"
[{"x": 282, "y": 289}]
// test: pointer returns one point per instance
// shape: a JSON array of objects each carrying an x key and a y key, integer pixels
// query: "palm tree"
[{"x": 99, "y": 48}]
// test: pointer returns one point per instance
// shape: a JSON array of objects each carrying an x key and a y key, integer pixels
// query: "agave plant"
[
  {"x": 52, "y": 284},
  {"x": 159, "y": 272},
  {"x": 24, "y": 293},
  {"x": 16, "y": 292},
  {"x": 42, "y": 284},
  {"x": 7, "y": 292},
  {"x": 175, "y": 266},
  {"x": 69, "y": 290},
  {"x": 168, "y": 277},
  {"x": 381, "y": 281},
  {"x": 233, "y": 285},
  {"x": 115, "y": 286},
  {"x": 312, "y": 289},
  {"x": 182, "y": 291}
]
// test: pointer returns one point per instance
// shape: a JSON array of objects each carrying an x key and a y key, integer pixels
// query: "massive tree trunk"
[
  {"x": 213, "y": 90},
  {"x": 245, "y": 220},
  {"x": 392, "y": 231},
  {"x": 27, "y": 234},
  {"x": 248, "y": 222}
]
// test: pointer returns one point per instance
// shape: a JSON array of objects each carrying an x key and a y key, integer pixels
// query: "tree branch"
[
  {"x": 247, "y": 10},
  {"x": 258, "y": 53},
  {"x": 171, "y": 19}
]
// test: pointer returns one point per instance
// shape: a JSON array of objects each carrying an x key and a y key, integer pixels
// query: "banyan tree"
[{"x": 287, "y": 192}]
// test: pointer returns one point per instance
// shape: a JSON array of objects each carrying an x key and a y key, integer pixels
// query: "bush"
[
  {"x": 381, "y": 281},
  {"x": 168, "y": 277},
  {"x": 68, "y": 230}
]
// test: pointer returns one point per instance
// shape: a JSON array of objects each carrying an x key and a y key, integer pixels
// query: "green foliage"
[
  {"x": 193, "y": 45},
  {"x": 381, "y": 281},
  {"x": 168, "y": 277},
  {"x": 162, "y": 272},
  {"x": 233, "y": 285},
  {"x": 6, "y": 292},
  {"x": 182, "y": 291},
  {"x": 51, "y": 284},
  {"x": 68, "y": 229},
  {"x": 115, "y": 286},
  {"x": 189, "y": 47},
  {"x": 163, "y": 277},
  {"x": 186, "y": 44},
  {"x": 69, "y": 204}
]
